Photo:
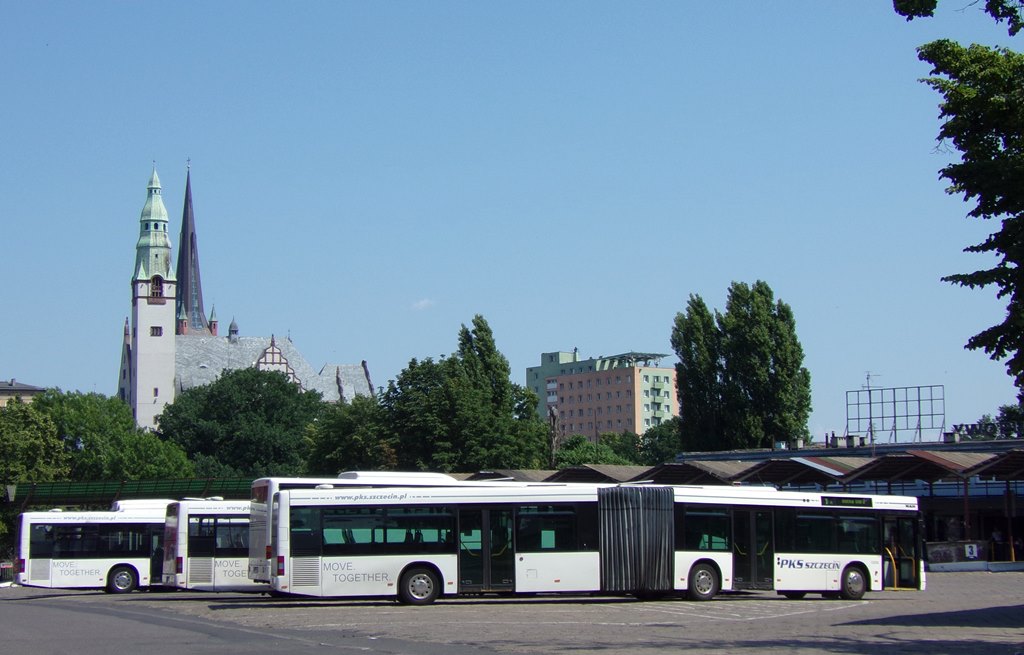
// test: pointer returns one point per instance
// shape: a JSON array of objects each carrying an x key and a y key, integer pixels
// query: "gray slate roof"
[{"x": 200, "y": 360}]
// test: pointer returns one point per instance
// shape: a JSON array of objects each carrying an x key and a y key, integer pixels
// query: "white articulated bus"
[
  {"x": 206, "y": 546},
  {"x": 417, "y": 544},
  {"x": 264, "y": 489},
  {"x": 118, "y": 550}
]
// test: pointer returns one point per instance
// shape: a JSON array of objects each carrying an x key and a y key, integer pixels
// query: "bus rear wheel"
[
  {"x": 419, "y": 586},
  {"x": 703, "y": 582},
  {"x": 853, "y": 583},
  {"x": 122, "y": 579}
]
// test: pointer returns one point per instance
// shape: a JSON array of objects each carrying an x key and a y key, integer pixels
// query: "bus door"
[
  {"x": 486, "y": 555},
  {"x": 899, "y": 553},
  {"x": 753, "y": 554},
  {"x": 155, "y": 535}
]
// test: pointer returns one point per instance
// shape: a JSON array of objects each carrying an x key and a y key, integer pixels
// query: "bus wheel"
[
  {"x": 122, "y": 579},
  {"x": 794, "y": 595},
  {"x": 703, "y": 582},
  {"x": 853, "y": 584},
  {"x": 419, "y": 586}
]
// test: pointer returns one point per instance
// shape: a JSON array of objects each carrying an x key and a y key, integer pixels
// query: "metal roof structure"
[
  {"x": 697, "y": 472},
  {"x": 1006, "y": 466},
  {"x": 599, "y": 473},
  {"x": 803, "y": 470}
]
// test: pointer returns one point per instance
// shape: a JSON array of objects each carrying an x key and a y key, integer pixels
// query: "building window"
[
  {"x": 156, "y": 331},
  {"x": 156, "y": 392},
  {"x": 156, "y": 287}
]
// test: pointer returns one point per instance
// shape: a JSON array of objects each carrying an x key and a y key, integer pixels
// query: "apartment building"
[{"x": 629, "y": 392}]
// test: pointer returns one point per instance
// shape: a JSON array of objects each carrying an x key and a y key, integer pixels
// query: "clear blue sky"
[{"x": 367, "y": 176}]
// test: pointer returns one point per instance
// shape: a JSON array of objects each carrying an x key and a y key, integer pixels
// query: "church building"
[{"x": 171, "y": 345}]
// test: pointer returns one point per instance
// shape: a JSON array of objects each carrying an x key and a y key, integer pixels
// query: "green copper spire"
[{"x": 153, "y": 250}]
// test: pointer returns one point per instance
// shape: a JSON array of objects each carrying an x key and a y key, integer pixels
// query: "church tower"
[
  {"x": 147, "y": 375},
  {"x": 191, "y": 319}
]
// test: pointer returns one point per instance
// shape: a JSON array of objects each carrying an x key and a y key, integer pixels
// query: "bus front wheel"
[
  {"x": 122, "y": 579},
  {"x": 853, "y": 584},
  {"x": 420, "y": 586},
  {"x": 703, "y": 582}
]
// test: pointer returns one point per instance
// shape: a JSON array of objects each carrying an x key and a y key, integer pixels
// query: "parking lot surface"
[{"x": 959, "y": 613}]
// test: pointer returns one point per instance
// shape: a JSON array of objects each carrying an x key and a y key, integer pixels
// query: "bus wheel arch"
[
  {"x": 122, "y": 579},
  {"x": 854, "y": 582},
  {"x": 704, "y": 580},
  {"x": 419, "y": 584}
]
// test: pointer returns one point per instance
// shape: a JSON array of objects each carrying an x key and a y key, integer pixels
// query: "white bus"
[
  {"x": 264, "y": 489},
  {"x": 417, "y": 544},
  {"x": 206, "y": 545},
  {"x": 118, "y": 550}
]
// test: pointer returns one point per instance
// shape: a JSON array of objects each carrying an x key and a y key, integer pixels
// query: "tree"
[
  {"x": 624, "y": 444},
  {"x": 30, "y": 448},
  {"x": 741, "y": 380},
  {"x": 350, "y": 436},
  {"x": 103, "y": 442},
  {"x": 417, "y": 409},
  {"x": 462, "y": 413},
  {"x": 1001, "y": 10},
  {"x": 661, "y": 443},
  {"x": 1010, "y": 421},
  {"x": 983, "y": 109},
  {"x": 248, "y": 422},
  {"x": 30, "y": 451},
  {"x": 697, "y": 342},
  {"x": 1008, "y": 424},
  {"x": 507, "y": 433},
  {"x": 577, "y": 450}
]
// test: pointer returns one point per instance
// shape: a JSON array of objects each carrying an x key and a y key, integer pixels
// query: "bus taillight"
[
  {"x": 179, "y": 565},
  {"x": 280, "y": 565},
  {"x": 19, "y": 566},
  {"x": 268, "y": 555}
]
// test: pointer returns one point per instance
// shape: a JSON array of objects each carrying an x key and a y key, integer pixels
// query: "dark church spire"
[{"x": 190, "y": 288}]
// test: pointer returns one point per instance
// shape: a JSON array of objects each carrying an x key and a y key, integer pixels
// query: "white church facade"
[{"x": 170, "y": 344}]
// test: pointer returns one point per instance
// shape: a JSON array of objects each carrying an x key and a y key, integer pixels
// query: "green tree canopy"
[
  {"x": 983, "y": 110},
  {"x": 577, "y": 450},
  {"x": 30, "y": 451},
  {"x": 661, "y": 443},
  {"x": 30, "y": 448},
  {"x": 697, "y": 342},
  {"x": 349, "y": 437},
  {"x": 741, "y": 380},
  {"x": 103, "y": 441},
  {"x": 1008, "y": 11},
  {"x": 462, "y": 413},
  {"x": 246, "y": 423}
]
